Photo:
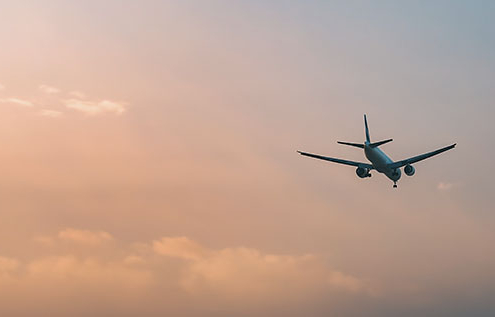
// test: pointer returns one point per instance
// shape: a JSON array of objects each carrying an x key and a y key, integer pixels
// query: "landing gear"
[{"x": 395, "y": 185}]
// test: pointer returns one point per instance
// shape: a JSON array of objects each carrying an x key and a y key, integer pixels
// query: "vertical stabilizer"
[{"x": 366, "y": 131}]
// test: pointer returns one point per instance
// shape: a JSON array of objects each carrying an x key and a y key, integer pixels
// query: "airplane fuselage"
[{"x": 381, "y": 162}]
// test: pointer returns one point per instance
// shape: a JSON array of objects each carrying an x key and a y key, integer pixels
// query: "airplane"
[{"x": 379, "y": 160}]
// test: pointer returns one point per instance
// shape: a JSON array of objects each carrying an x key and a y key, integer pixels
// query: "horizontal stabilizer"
[
  {"x": 375, "y": 144},
  {"x": 361, "y": 146}
]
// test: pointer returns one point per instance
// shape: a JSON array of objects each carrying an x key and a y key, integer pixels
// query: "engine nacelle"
[
  {"x": 363, "y": 172},
  {"x": 409, "y": 170}
]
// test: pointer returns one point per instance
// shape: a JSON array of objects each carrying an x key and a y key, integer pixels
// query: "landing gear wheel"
[{"x": 395, "y": 185}]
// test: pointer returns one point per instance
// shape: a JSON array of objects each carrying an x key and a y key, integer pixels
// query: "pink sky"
[{"x": 149, "y": 166}]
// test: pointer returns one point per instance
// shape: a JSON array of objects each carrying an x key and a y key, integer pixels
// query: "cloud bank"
[{"x": 120, "y": 279}]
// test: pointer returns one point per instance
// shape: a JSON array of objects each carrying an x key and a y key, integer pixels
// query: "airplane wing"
[
  {"x": 420, "y": 157},
  {"x": 336, "y": 160}
]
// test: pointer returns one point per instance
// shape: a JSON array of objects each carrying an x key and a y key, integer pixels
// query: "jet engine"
[
  {"x": 363, "y": 172},
  {"x": 409, "y": 170}
]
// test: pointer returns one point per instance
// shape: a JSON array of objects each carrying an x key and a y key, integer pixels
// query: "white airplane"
[{"x": 379, "y": 160}]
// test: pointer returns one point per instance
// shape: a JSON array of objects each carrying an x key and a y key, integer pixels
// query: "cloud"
[
  {"x": 350, "y": 283},
  {"x": 164, "y": 276},
  {"x": 77, "y": 94},
  {"x": 48, "y": 89},
  {"x": 50, "y": 113},
  {"x": 180, "y": 247},
  {"x": 87, "y": 269},
  {"x": 246, "y": 272},
  {"x": 16, "y": 101},
  {"x": 95, "y": 108},
  {"x": 78, "y": 103},
  {"x": 446, "y": 186},
  {"x": 85, "y": 236}
]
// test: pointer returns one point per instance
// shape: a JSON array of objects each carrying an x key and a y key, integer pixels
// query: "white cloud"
[
  {"x": 341, "y": 280},
  {"x": 95, "y": 108},
  {"x": 86, "y": 269},
  {"x": 48, "y": 89},
  {"x": 77, "y": 94},
  {"x": 50, "y": 113},
  {"x": 16, "y": 101},
  {"x": 85, "y": 236},
  {"x": 169, "y": 271},
  {"x": 446, "y": 186},
  {"x": 180, "y": 247},
  {"x": 248, "y": 272},
  {"x": 78, "y": 103},
  {"x": 57, "y": 284}
]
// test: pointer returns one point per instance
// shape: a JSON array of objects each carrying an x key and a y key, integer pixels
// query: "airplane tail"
[
  {"x": 368, "y": 141},
  {"x": 366, "y": 130}
]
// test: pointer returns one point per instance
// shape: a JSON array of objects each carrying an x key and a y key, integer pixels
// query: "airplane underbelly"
[{"x": 379, "y": 162}]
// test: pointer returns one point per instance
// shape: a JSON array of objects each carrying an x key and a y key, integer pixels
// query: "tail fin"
[{"x": 367, "y": 132}]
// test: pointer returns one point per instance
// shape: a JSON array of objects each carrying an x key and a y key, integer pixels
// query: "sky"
[{"x": 149, "y": 166}]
